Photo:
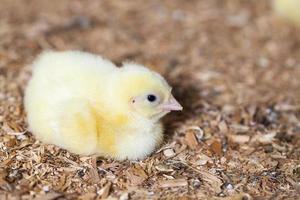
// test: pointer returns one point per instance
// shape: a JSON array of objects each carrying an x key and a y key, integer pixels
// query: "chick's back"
[{"x": 58, "y": 97}]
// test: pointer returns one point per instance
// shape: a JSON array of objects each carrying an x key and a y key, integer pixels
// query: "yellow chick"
[
  {"x": 289, "y": 10},
  {"x": 87, "y": 105}
]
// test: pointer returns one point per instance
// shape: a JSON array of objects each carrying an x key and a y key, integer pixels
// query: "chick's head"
[{"x": 144, "y": 92}]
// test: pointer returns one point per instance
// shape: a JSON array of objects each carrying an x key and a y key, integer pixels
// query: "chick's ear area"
[
  {"x": 133, "y": 100},
  {"x": 136, "y": 100}
]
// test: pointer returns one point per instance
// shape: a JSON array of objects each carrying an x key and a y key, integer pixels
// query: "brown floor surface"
[{"x": 233, "y": 65}]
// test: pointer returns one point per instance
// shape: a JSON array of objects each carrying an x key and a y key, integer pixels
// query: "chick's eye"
[{"x": 151, "y": 98}]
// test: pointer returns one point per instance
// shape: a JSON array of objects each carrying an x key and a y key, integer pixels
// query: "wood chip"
[
  {"x": 264, "y": 138},
  {"x": 216, "y": 147},
  {"x": 238, "y": 128},
  {"x": 87, "y": 196},
  {"x": 48, "y": 196},
  {"x": 169, "y": 153},
  {"x": 136, "y": 175},
  {"x": 94, "y": 176},
  {"x": 191, "y": 140},
  {"x": 240, "y": 139},
  {"x": 211, "y": 179},
  {"x": 204, "y": 159},
  {"x": 124, "y": 196},
  {"x": 163, "y": 168},
  {"x": 242, "y": 196},
  {"x": 104, "y": 192},
  {"x": 223, "y": 127},
  {"x": 173, "y": 183}
]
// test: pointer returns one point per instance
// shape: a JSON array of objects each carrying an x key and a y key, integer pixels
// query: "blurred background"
[
  {"x": 238, "y": 41},
  {"x": 233, "y": 64}
]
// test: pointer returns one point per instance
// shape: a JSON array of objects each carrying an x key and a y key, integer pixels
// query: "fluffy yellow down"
[
  {"x": 289, "y": 10},
  {"x": 79, "y": 102}
]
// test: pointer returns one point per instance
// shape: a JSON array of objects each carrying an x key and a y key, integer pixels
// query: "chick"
[
  {"x": 87, "y": 105},
  {"x": 289, "y": 10}
]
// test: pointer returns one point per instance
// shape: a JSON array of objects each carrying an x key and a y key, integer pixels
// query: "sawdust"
[{"x": 233, "y": 65}]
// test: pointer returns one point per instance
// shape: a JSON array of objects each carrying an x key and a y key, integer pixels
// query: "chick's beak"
[{"x": 171, "y": 105}]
